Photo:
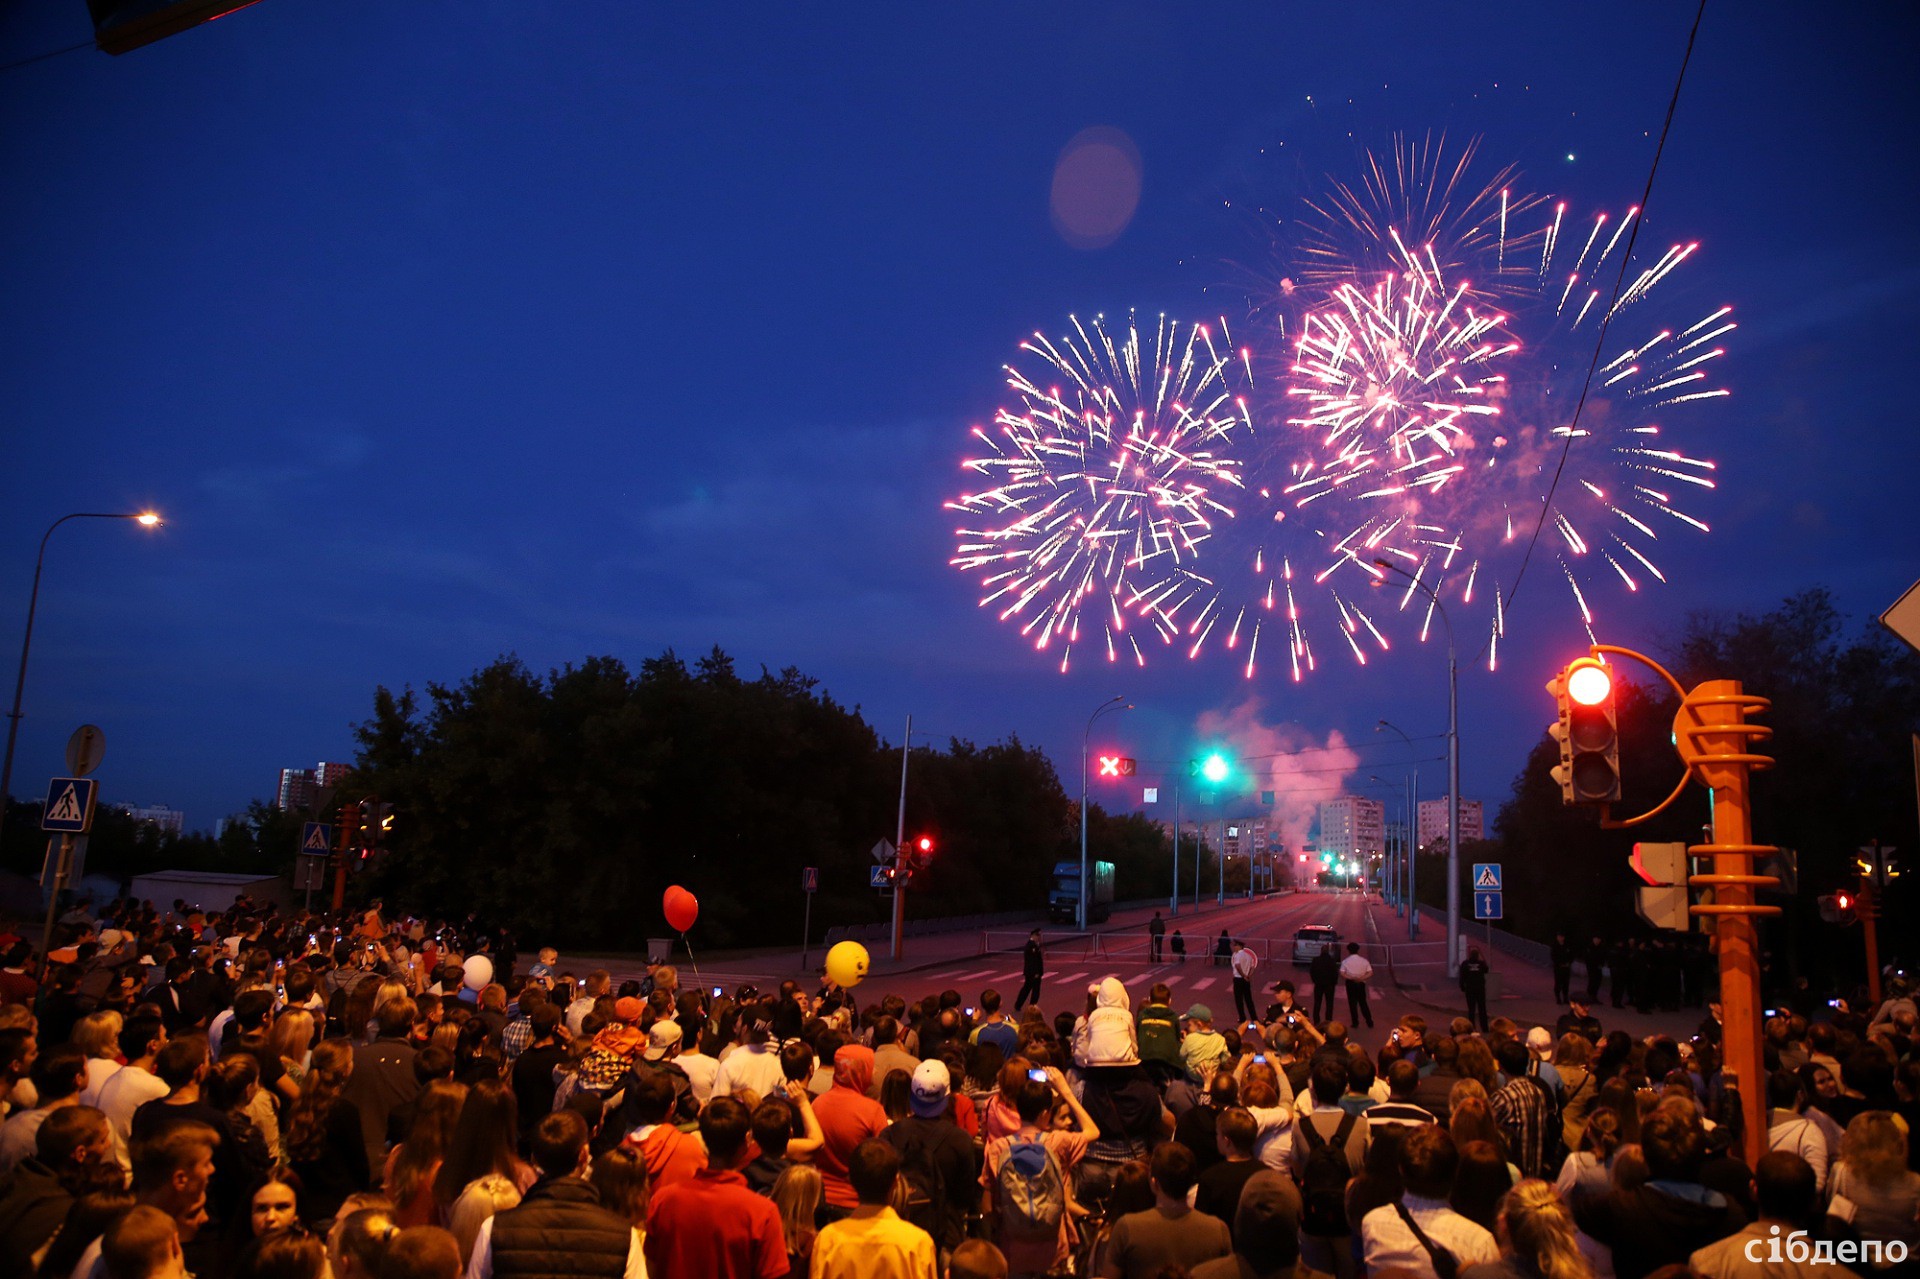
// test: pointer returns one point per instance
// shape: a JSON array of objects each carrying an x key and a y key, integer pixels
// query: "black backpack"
[
  {"x": 922, "y": 1194},
  {"x": 1323, "y": 1180}
]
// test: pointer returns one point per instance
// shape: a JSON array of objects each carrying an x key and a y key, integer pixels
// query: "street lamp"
[
  {"x": 1412, "y": 868},
  {"x": 1115, "y": 703},
  {"x": 1453, "y": 769},
  {"x": 146, "y": 519}
]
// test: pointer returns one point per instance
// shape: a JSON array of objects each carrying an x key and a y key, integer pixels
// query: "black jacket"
[
  {"x": 1647, "y": 1228},
  {"x": 1034, "y": 963},
  {"x": 560, "y": 1229},
  {"x": 1325, "y": 971},
  {"x": 33, "y": 1203}
]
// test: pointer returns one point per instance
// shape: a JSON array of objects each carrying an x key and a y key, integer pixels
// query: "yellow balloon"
[{"x": 847, "y": 963}]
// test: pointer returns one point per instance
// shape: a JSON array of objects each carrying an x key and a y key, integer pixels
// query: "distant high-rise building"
[
  {"x": 167, "y": 819},
  {"x": 297, "y": 789},
  {"x": 1433, "y": 822},
  {"x": 1352, "y": 826},
  {"x": 300, "y": 787}
]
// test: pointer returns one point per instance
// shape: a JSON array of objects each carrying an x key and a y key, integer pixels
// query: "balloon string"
[{"x": 690, "y": 958}]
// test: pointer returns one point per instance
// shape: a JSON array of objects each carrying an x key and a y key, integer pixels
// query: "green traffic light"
[{"x": 1215, "y": 769}]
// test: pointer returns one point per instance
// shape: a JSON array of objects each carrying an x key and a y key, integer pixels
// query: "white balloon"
[{"x": 479, "y": 973}]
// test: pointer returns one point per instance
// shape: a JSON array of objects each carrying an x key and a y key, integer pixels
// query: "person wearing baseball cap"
[
  {"x": 1540, "y": 1048},
  {"x": 663, "y": 1041},
  {"x": 1202, "y": 1048},
  {"x": 929, "y": 1141}
]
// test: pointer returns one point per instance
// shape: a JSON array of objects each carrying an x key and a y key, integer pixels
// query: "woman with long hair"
[
  {"x": 1579, "y": 1086},
  {"x": 323, "y": 1141},
  {"x": 1477, "y": 1064},
  {"x": 1131, "y": 1191},
  {"x": 1873, "y": 1190},
  {"x": 1536, "y": 1234},
  {"x": 1471, "y": 1119},
  {"x": 620, "y": 1177},
  {"x": 895, "y": 1092},
  {"x": 291, "y": 1040},
  {"x": 232, "y": 1087},
  {"x": 482, "y": 1174},
  {"x": 1617, "y": 1095},
  {"x": 797, "y": 1195},
  {"x": 415, "y": 1162},
  {"x": 1481, "y": 1179},
  {"x": 1590, "y": 1168}
]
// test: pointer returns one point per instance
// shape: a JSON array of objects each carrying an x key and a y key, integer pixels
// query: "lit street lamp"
[
  {"x": 1453, "y": 770},
  {"x": 146, "y": 519},
  {"x": 1116, "y": 703}
]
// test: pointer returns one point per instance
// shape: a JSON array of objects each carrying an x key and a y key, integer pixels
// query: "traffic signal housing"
[
  {"x": 1839, "y": 908},
  {"x": 120, "y": 26},
  {"x": 1588, "y": 732}
]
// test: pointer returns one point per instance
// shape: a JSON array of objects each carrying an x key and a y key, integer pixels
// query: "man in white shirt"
[
  {"x": 753, "y": 1066},
  {"x": 1356, "y": 972},
  {"x": 1244, "y": 962},
  {"x": 1407, "y": 1236},
  {"x": 134, "y": 1084},
  {"x": 1789, "y": 1129}
]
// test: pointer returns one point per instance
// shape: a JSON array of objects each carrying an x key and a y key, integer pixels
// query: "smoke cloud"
[{"x": 1299, "y": 768}]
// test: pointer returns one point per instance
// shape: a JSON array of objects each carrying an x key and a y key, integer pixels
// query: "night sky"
[{"x": 440, "y": 330}]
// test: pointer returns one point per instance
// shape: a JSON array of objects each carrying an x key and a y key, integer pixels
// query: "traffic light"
[
  {"x": 1876, "y": 866},
  {"x": 1214, "y": 768},
  {"x": 1588, "y": 732},
  {"x": 120, "y": 26},
  {"x": 920, "y": 852},
  {"x": 1117, "y": 766},
  {"x": 1838, "y": 908}
]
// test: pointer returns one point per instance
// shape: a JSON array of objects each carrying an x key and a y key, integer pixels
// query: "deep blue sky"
[{"x": 442, "y": 330}]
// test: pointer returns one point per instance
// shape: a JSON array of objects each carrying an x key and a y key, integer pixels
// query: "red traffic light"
[
  {"x": 925, "y": 844},
  {"x": 1843, "y": 900},
  {"x": 1588, "y": 682}
]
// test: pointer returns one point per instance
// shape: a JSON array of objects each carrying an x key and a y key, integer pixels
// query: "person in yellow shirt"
[{"x": 873, "y": 1242}]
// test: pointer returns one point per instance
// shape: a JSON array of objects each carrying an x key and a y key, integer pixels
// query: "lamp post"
[
  {"x": 146, "y": 519},
  {"x": 1453, "y": 770},
  {"x": 1117, "y": 702},
  {"x": 1412, "y": 873}
]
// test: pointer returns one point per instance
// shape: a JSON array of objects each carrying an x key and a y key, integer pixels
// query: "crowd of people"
[{"x": 246, "y": 1093}]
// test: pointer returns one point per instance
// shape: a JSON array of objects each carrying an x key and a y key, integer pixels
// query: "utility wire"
[
  {"x": 42, "y": 57},
  {"x": 1606, "y": 319}
]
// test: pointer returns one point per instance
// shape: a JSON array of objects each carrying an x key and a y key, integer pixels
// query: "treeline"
[{"x": 564, "y": 805}]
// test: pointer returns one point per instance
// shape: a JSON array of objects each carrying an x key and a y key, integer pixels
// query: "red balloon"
[{"x": 681, "y": 908}]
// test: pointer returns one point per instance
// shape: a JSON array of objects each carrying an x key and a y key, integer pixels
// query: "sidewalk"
[{"x": 1516, "y": 989}]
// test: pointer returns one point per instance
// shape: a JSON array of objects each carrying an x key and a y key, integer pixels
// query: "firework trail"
[{"x": 1108, "y": 473}]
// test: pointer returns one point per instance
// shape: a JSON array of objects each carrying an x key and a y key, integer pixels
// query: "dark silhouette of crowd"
[{"x": 272, "y": 1095}]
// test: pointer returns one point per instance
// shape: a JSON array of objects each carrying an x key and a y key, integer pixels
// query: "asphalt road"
[{"x": 1407, "y": 979}]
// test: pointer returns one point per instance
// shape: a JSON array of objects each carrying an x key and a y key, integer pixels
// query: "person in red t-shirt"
[
  {"x": 714, "y": 1225},
  {"x": 847, "y": 1117},
  {"x": 671, "y": 1156}
]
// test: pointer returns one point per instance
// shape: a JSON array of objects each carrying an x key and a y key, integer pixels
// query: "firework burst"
[
  {"x": 1434, "y": 381},
  {"x": 1108, "y": 473}
]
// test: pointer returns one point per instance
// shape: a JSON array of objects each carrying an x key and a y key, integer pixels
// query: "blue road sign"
[
  {"x": 1487, "y": 906},
  {"x": 1486, "y": 877},
  {"x": 877, "y": 876},
  {"x": 69, "y": 805},
  {"x": 316, "y": 839}
]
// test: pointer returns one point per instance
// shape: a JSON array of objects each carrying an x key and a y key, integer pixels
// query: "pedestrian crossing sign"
[
  {"x": 69, "y": 805},
  {"x": 1486, "y": 877},
  {"x": 316, "y": 839}
]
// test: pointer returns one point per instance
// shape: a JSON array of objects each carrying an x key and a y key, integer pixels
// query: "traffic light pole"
[
  {"x": 349, "y": 819},
  {"x": 1714, "y": 740}
]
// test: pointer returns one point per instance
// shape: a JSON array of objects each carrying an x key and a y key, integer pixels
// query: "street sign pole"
[
  {"x": 809, "y": 880},
  {"x": 899, "y": 846}
]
